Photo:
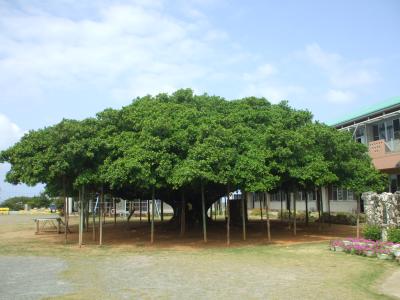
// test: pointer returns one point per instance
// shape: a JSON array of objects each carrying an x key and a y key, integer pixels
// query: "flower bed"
[{"x": 368, "y": 248}]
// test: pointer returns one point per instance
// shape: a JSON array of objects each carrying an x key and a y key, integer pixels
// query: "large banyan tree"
[{"x": 191, "y": 147}]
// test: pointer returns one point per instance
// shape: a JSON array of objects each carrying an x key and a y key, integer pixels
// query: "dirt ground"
[
  {"x": 167, "y": 235},
  {"x": 129, "y": 267}
]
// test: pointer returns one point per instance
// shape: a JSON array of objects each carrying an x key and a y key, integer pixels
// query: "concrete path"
[{"x": 390, "y": 285}]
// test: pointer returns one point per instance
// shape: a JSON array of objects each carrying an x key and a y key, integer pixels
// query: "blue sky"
[{"x": 71, "y": 59}]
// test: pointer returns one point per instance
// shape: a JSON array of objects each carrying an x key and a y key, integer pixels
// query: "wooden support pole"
[
  {"x": 203, "y": 206},
  {"x": 358, "y": 216},
  {"x": 267, "y": 196},
  {"x": 244, "y": 198},
  {"x": 321, "y": 207},
  {"x": 148, "y": 211},
  {"x": 225, "y": 215},
  {"x": 294, "y": 212},
  {"x": 228, "y": 221},
  {"x": 306, "y": 202},
  {"x": 162, "y": 211},
  {"x": 153, "y": 200},
  {"x": 94, "y": 220},
  {"x": 115, "y": 211},
  {"x": 87, "y": 214},
  {"x": 140, "y": 210},
  {"x": 80, "y": 219},
  {"x": 329, "y": 209},
  {"x": 289, "y": 200},
  {"x": 183, "y": 215},
  {"x": 101, "y": 212},
  {"x": 65, "y": 212}
]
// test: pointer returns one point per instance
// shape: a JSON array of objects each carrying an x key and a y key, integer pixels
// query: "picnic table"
[{"x": 53, "y": 221}]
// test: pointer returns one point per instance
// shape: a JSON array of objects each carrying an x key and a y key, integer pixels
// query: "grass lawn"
[{"x": 140, "y": 271}]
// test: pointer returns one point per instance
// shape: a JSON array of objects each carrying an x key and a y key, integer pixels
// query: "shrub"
[
  {"x": 343, "y": 218},
  {"x": 393, "y": 235},
  {"x": 372, "y": 232},
  {"x": 300, "y": 216},
  {"x": 256, "y": 212}
]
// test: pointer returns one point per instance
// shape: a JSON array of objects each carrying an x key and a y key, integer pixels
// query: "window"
[
  {"x": 389, "y": 130},
  {"x": 275, "y": 197},
  {"x": 382, "y": 131},
  {"x": 375, "y": 132},
  {"x": 360, "y": 135},
  {"x": 334, "y": 193},
  {"x": 396, "y": 129},
  {"x": 311, "y": 196},
  {"x": 341, "y": 194}
]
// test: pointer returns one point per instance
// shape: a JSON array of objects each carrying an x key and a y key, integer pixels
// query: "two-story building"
[{"x": 378, "y": 127}]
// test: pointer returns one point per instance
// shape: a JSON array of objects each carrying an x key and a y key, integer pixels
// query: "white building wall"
[
  {"x": 349, "y": 206},
  {"x": 343, "y": 206}
]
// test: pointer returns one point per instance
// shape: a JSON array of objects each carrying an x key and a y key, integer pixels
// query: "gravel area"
[{"x": 31, "y": 277}]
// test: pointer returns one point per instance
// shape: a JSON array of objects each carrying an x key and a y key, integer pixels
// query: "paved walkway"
[{"x": 391, "y": 285}]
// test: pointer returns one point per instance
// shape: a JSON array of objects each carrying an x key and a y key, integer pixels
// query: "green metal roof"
[{"x": 368, "y": 111}]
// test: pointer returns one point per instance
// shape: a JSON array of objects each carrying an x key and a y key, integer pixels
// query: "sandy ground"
[{"x": 129, "y": 267}]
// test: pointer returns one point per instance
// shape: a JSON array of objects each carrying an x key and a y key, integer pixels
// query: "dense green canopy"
[{"x": 177, "y": 142}]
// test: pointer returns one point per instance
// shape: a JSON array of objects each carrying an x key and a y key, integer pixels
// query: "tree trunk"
[
  {"x": 228, "y": 221},
  {"x": 267, "y": 214},
  {"x": 244, "y": 215},
  {"x": 152, "y": 214},
  {"x": 203, "y": 206},
  {"x": 261, "y": 206},
  {"x": 183, "y": 215}
]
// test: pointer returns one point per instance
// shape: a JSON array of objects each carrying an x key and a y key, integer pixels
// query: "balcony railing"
[{"x": 381, "y": 147}]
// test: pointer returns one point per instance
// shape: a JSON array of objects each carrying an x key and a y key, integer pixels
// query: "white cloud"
[
  {"x": 9, "y": 132},
  {"x": 273, "y": 92},
  {"x": 262, "y": 82},
  {"x": 339, "y": 96},
  {"x": 131, "y": 49},
  {"x": 263, "y": 71},
  {"x": 341, "y": 73}
]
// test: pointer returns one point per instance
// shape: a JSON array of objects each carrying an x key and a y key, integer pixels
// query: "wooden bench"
[{"x": 55, "y": 222}]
